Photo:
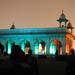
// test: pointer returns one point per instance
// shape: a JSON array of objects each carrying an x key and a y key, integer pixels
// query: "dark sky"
[{"x": 35, "y": 13}]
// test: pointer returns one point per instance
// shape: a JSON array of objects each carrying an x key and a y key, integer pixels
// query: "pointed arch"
[
  {"x": 54, "y": 46},
  {"x": 25, "y": 46},
  {"x": 39, "y": 47},
  {"x": 36, "y": 48},
  {"x": 42, "y": 47},
  {"x": 9, "y": 45}
]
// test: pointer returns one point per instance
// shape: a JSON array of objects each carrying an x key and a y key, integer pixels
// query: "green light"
[
  {"x": 52, "y": 48},
  {"x": 9, "y": 47},
  {"x": 36, "y": 48},
  {"x": 23, "y": 46}
]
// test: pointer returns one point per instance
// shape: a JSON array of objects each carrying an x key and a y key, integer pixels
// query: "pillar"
[
  {"x": 47, "y": 47},
  {"x": 32, "y": 45},
  {"x": 63, "y": 46}
]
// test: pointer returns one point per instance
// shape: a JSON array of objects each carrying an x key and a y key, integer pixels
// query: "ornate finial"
[
  {"x": 12, "y": 26},
  {"x": 69, "y": 25},
  {"x": 62, "y": 19}
]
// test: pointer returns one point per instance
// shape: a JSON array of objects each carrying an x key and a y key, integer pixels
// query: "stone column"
[
  {"x": 32, "y": 44},
  {"x": 63, "y": 46},
  {"x": 47, "y": 47}
]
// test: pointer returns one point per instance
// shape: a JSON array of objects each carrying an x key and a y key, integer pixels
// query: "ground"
[
  {"x": 48, "y": 66},
  {"x": 51, "y": 67}
]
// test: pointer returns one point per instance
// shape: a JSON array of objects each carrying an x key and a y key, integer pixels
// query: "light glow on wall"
[
  {"x": 23, "y": 46},
  {"x": 36, "y": 48},
  {"x": 9, "y": 47},
  {"x": 40, "y": 49},
  {"x": 52, "y": 48},
  {"x": 74, "y": 44},
  {"x": 45, "y": 49},
  {"x": 60, "y": 51},
  {"x": 67, "y": 49}
]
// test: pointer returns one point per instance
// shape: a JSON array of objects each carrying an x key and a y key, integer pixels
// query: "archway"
[
  {"x": 25, "y": 46},
  {"x": 9, "y": 45},
  {"x": 54, "y": 46},
  {"x": 36, "y": 48},
  {"x": 42, "y": 48}
]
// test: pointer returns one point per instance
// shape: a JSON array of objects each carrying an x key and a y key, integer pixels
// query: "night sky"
[{"x": 35, "y": 13}]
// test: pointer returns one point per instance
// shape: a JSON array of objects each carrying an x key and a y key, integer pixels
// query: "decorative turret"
[
  {"x": 12, "y": 26},
  {"x": 62, "y": 19},
  {"x": 69, "y": 27}
]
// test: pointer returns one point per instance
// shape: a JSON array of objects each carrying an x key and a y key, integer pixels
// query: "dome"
[
  {"x": 12, "y": 26},
  {"x": 69, "y": 25},
  {"x": 62, "y": 18}
]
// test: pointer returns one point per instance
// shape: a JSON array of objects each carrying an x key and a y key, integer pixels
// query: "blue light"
[
  {"x": 36, "y": 48},
  {"x": 9, "y": 47},
  {"x": 23, "y": 46},
  {"x": 52, "y": 48}
]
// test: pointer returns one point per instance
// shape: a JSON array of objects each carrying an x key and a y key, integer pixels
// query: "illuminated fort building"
[{"x": 41, "y": 40}]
